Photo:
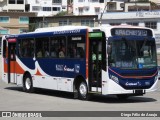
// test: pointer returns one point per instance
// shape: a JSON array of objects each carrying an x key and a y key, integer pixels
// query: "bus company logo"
[
  {"x": 77, "y": 68},
  {"x": 68, "y": 69},
  {"x": 133, "y": 84},
  {"x": 114, "y": 78},
  {"x": 59, "y": 67},
  {"x": 62, "y": 68}
]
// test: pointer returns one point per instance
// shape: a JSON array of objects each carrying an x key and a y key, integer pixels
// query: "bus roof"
[
  {"x": 49, "y": 30},
  {"x": 61, "y": 28}
]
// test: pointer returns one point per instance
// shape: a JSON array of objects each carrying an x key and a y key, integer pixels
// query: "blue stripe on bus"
[
  {"x": 29, "y": 62},
  {"x": 58, "y": 67}
]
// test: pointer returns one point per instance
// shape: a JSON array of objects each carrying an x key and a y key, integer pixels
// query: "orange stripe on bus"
[
  {"x": 5, "y": 66},
  {"x": 13, "y": 67},
  {"x": 19, "y": 69},
  {"x": 38, "y": 73},
  {"x": 87, "y": 53}
]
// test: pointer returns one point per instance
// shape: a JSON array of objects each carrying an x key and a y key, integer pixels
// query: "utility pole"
[{"x": 103, "y": 13}]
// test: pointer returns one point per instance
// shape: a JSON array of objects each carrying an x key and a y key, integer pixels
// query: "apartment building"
[
  {"x": 47, "y": 7},
  {"x": 41, "y": 7},
  {"x": 95, "y": 7},
  {"x": 14, "y": 23},
  {"x": 12, "y": 5}
]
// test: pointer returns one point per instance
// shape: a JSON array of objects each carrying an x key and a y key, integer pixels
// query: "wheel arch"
[
  {"x": 26, "y": 73},
  {"x": 78, "y": 79}
]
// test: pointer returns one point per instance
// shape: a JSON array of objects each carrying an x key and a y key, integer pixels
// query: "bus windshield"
[{"x": 132, "y": 54}]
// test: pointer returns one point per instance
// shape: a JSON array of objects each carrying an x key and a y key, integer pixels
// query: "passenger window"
[
  {"x": 42, "y": 47},
  {"x": 76, "y": 46},
  {"x": 58, "y": 47},
  {"x": 26, "y": 47}
]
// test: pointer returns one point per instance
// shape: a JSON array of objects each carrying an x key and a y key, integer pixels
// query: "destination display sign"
[
  {"x": 11, "y": 40},
  {"x": 75, "y": 38},
  {"x": 131, "y": 32},
  {"x": 95, "y": 34}
]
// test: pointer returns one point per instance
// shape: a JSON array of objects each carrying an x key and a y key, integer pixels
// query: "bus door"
[
  {"x": 96, "y": 57},
  {"x": 11, "y": 61}
]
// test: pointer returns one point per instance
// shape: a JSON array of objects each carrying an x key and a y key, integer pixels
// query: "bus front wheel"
[
  {"x": 83, "y": 91},
  {"x": 27, "y": 84}
]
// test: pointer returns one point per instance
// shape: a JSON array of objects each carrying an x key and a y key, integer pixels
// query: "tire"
[
  {"x": 123, "y": 96},
  {"x": 83, "y": 91},
  {"x": 28, "y": 84}
]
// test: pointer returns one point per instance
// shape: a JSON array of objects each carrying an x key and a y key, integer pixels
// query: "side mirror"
[{"x": 109, "y": 49}]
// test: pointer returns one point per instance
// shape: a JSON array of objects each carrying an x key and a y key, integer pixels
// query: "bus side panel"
[
  {"x": 46, "y": 74},
  {"x": 54, "y": 83},
  {"x": 19, "y": 79},
  {"x": 58, "y": 74}
]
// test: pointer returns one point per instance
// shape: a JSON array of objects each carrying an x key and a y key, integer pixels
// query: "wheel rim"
[
  {"x": 83, "y": 89},
  {"x": 28, "y": 83}
]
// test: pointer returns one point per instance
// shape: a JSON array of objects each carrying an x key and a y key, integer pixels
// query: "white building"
[
  {"x": 41, "y": 7},
  {"x": 94, "y": 7},
  {"x": 12, "y": 5},
  {"x": 46, "y": 7}
]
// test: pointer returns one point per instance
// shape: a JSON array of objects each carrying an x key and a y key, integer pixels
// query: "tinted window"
[
  {"x": 58, "y": 47},
  {"x": 76, "y": 46},
  {"x": 42, "y": 47},
  {"x": 26, "y": 47}
]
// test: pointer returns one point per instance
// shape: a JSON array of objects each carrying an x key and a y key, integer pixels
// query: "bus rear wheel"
[
  {"x": 82, "y": 91},
  {"x": 27, "y": 84}
]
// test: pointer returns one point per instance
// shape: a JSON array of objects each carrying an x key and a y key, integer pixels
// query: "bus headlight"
[
  {"x": 115, "y": 79},
  {"x": 156, "y": 77}
]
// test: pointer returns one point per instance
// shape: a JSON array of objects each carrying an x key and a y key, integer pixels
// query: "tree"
[{"x": 62, "y": 13}]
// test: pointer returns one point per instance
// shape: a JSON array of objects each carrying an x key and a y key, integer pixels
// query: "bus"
[{"x": 119, "y": 60}]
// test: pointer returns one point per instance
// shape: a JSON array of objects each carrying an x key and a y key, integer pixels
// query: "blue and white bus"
[{"x": 118, "y": 60}]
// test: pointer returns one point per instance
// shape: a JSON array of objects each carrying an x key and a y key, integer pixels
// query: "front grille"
[{"x": 137, "y": 74}]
